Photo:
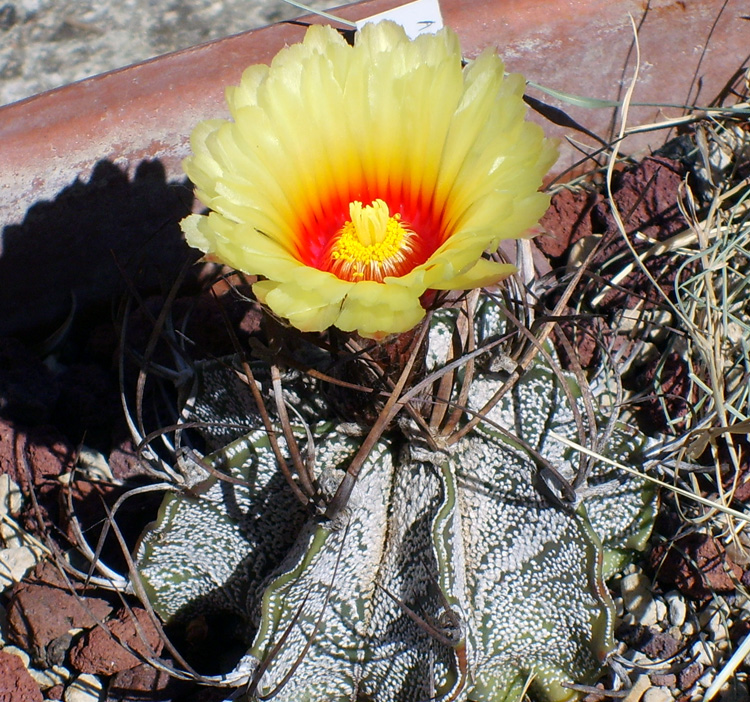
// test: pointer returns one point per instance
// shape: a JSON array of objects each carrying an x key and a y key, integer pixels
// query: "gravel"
[
  {"x": 48, "y": 43},
  {"x": 85, "y": 688}
]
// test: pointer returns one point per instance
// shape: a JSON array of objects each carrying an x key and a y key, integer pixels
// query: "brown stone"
[
  {"x": 660, "y": 646},
  {"x": 43, "y": 450},
  {"x": 99, "y": 652},
  {"x": 143, "y": 678},
  {"x": 55, "y": 693},
  {"x": 687, "y": 676},
  {"x": 35, "y": 457},
  {"x": 586, "y": 336},
  {"x": 16, "y": 684},
  {"x": 696, "y": 564},
  {"x": 567, "y": 220},
  {"x": 646, "y": 199},
  {"x": 40, "y": 612},
  {"x": 124, "y": 462},
  {"x": 663, "y": 680}
]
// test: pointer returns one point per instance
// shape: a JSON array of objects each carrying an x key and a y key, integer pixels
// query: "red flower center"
[{"x": 368, "y": 238}]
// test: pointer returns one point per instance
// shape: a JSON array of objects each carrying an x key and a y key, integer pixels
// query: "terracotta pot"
[{"x": 90, "y": 177}]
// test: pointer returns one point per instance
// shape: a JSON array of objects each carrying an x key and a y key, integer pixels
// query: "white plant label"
[{"x": 419, "y": 17}]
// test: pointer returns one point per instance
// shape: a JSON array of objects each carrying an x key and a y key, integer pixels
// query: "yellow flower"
[{"x": 354, "y": 179}]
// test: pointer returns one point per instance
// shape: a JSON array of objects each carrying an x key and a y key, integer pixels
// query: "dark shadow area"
[{"x": 79, "y": 248}]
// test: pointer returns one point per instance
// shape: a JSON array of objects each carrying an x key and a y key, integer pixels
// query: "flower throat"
[{"x": 372, "y": 244}]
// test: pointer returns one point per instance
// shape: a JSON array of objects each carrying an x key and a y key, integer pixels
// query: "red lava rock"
[
  {"x": 687, "y": 676},
  {"x": 16, "y": 684},
  {"x": 663, "y": 680},
  {"x": 40, "y": 612},
  {"x": 660, "y": 646},
  {"x": 742, "y": 492},
  {"x": 46, "y": 452},
  {"x": 143, "y": 678},
  {"x": 696, "y": 564},
  {"x": 42, "y": 453},
  {"x": 655, "y": 644},
  {"x": 740, "y": 484},
  {"x": 124, "y": 462},
  {"x": 101, "y": 654},
  {"x": 55, "y": 693},
  {"x": 567, "y": 220},
  {"x": 585, "y": 334},
  {"x": 646, "y": 198},
  {"x": 87, "y": 498}
]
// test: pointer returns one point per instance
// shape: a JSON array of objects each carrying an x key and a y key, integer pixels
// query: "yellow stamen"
[{"x": 371, "y": 245}]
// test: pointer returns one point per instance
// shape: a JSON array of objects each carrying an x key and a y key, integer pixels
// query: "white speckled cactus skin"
[{"x": 449, "y": 576}]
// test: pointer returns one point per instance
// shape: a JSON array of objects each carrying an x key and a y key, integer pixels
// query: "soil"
[{"x": 57, "y": 401}]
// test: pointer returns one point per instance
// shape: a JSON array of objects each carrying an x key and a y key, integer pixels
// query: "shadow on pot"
[{"x": 87, "y": 243}]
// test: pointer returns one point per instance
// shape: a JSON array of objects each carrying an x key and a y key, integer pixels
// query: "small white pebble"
[
  {"x": 11, "y": 535},
  {"x": 619, "y": 607},
  {"x": 639, "y": 658},
  {"x": 46, "y": 678},
  {"x": 11, "y": 497},
  {"x": 635, "y": 693},
  {"x": 702, "y": 652},
  {"x": 14, "y": 564},
  {"x": 638, "y": 599},
  {"x": 707, "y": 678},
  {"x": 94, "y": 465},
  {"x": 621, "y": 648},
  {"x": 675, "y": 632},
  {"x": 62, "y": 671},
  {"x": 85, "y": 688},
  {"x": 723, "y": 646},
  {"x": 677, "y": 608},
  {"x": 688, "y": 629},
  {"x": 633, "y": 582},
  {"x": 717, "y": 627},
  {"x": 711, "y": 611},
  {"x": 30, "y": 6},
  {"x": 657, "y": 694},
  {"x": 661, "y": 610}
]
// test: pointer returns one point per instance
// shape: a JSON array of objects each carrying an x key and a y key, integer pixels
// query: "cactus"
[{"x": 452, "y": 574}]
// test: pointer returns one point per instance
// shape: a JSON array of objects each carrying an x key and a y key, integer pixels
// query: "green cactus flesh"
[{"x": 449, "y": 576}]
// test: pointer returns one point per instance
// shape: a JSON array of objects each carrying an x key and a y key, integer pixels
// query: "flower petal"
[{"x": 446, "y": 148}]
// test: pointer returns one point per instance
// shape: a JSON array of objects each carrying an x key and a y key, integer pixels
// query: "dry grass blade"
[{"x": 260, "y": 404}]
